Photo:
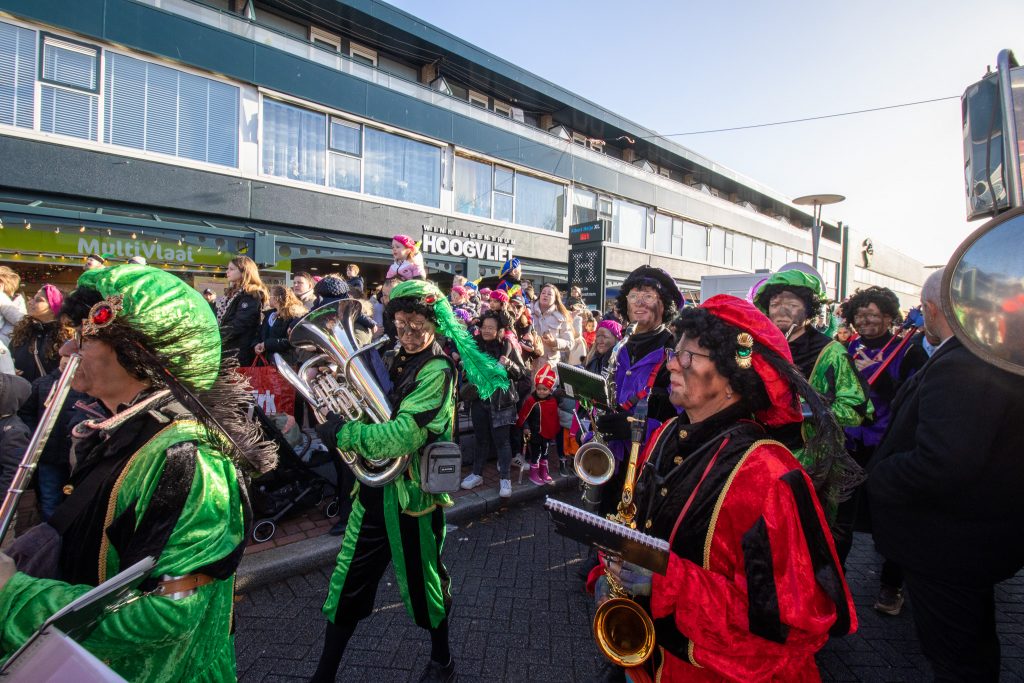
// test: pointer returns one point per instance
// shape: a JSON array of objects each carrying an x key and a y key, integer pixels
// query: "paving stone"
[{"x": 519, "y": 615}]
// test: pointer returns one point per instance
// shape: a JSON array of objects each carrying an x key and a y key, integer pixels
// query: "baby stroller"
[{"x": 296, "y": 484}]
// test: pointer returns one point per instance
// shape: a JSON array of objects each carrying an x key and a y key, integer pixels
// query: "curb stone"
[{"x": 275, "y": 564}]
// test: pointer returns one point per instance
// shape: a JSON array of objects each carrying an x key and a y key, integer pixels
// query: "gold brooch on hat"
[
  {"x": 102, "y": 314},
  {"x": 745, "y": 350}
]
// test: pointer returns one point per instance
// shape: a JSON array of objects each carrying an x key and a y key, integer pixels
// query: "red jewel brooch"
[
  {"x": 429, "y": 299},
  {"x": 102, "y": 314}
]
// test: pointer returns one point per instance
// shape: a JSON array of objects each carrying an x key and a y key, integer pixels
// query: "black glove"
[
  {"x": 328, "y": 431},
  {"x": 614, "y": 426}
]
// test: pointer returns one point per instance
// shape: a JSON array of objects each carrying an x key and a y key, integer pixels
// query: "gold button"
[
  {"x": 683, "y": 433},
  {"x": 68, "y": 489},
  {"x": 678, "y": 460},
  {"x": 664, "y": 491},
  {"x": 648, "y": 524}
]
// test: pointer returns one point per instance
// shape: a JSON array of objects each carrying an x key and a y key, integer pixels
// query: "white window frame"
[
  {"x": 502, "y": 108},
  {"x": 478, "y": 99},
  {"x": 317, "y": 34},
  {"x": 596, "y": 145},
  {"x": 579, "y": 139},
  {"x": 664, "y": 172},
  {"x": 355, "y": 49}
]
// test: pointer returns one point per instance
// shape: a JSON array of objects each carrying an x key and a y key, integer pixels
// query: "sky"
[{"x": 683, "y": 66}]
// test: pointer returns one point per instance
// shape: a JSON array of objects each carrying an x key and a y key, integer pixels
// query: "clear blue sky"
[{"x": 684, "y": 66}]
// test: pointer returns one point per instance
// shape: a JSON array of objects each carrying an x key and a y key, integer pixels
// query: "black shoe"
[
  {"x": 339, "y": 528},
  {"x": 435, "y": 673},
  {"x": 564, "y": 470}
]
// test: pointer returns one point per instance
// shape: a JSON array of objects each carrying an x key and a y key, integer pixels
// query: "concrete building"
[{"x": 306, "y": 133}]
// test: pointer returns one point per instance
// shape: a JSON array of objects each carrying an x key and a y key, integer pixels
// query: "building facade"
[{"x": 305, "y": 134}]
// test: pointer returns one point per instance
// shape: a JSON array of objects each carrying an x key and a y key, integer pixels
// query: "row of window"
[{"x": 155, "y": 108}]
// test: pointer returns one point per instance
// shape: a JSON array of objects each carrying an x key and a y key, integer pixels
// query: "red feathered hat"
[
  {"x": 545, "y": 377},
  {"x": 785, "y": 404}
]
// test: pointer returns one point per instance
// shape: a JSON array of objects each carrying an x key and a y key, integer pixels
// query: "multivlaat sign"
[{"x": 452, "y": 242}]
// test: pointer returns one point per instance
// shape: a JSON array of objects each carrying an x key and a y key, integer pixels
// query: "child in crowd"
[
  {"x": 538, "y": 418},
  {"x": 498, "y": 301},
  {"x": 408, "y": 263}
]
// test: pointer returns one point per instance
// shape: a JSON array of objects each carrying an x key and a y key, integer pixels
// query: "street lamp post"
[{"x": 817, "y": 201}]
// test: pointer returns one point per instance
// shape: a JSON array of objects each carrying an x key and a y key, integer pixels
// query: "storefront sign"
[
  {"x": 452, "y": 242},
  {"x": 119, "y": 247}
]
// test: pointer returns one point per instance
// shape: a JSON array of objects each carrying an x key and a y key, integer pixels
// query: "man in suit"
[{"x": 944, "y": 489}]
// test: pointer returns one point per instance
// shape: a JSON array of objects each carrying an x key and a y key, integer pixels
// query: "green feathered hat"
[
  {"x": 789, "y": 279},
  {"x": 174, "y": 319},
  {"x": 794, "y": 280},
  {"x": 481, "y": 370}
]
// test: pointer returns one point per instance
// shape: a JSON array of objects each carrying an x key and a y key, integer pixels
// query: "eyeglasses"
[
  {"x": 414, "y": 328},
  {"x": 645, "y": 298},
  {"x": 684, "y": 358}
]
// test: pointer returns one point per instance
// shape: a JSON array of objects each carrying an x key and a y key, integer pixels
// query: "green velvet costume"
[
  {"x": 399, "y": 522},
  {"x": 829, "y": 370},
  {"x": 153, "y": 456},
  {"x": 155, "y": 638}
]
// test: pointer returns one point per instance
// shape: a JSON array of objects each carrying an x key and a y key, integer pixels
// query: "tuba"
[
  {"x": 340, "y": 379},
  {"x": 594, "y": 462}
]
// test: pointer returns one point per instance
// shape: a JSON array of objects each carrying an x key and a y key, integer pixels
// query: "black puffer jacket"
[
  {"x": 14, "y": 434},
  {"x": 240, "y": 327},
  {"x": 58, "y": 446}
]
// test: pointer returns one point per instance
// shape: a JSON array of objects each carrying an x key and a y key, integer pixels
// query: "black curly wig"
[
  {"x": 834, "y": 471},
  {"x": 126, "y": 342},
  {"x": 408, "y": 304},
  {"x": 503, "y": 319},
  {"x": 803, "y": 293},
  {"x": 222, "y": 409},
  {"x": 671, "y": 307},
  {"x": 886, "y": 300},
  {"x": 719, "y": 339}
]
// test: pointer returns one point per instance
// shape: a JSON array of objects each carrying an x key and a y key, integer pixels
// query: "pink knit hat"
[
  {"x": 405, "y": 241},
  {"x": 460, "y": 290},
  {"x": 612, "y": 326},
  {"x": 499, "y": 295},
  {"x": 54, "y": 297}
]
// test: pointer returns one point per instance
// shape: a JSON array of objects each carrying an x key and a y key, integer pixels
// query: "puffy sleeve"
[
  {"x": 208, "y": 529},
  {"x": 836, "y": 378},
  {"x": 421, "y": 412},
  {"x": 755, "y": 610}
]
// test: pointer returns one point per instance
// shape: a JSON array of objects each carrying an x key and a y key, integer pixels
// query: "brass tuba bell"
[{"x": 339, "y": 379}]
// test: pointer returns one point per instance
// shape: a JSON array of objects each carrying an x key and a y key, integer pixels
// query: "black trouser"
[
  {"x": 956, "y": 624},
  {"x": 539, "y": 448}
]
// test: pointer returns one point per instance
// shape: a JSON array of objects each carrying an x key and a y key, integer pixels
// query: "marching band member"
[
  {"x": 650, "y": 297},
  {"x": 399, "y": 522},
  {"x": 157, "y": 478},
  {"x": 753, "y": 588},
  {"x": 790, "y": 299}
]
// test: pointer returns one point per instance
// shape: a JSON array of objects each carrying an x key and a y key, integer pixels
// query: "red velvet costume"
[{"x": 754, "y": 587}]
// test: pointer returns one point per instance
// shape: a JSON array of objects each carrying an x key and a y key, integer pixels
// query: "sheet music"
[{"x": 630, "y": 544}]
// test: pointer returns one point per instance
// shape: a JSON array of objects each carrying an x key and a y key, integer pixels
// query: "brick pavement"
[{"x": 519, "y": 616}]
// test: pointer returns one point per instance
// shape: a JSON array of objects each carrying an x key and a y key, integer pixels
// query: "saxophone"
[{"x": 594, "y": 462}]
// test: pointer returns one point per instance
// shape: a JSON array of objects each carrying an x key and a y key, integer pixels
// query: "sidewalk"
[{"x": 302, "y": 543}]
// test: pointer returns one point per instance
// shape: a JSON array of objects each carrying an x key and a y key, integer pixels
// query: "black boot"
[{"x": 436, "y": 673}]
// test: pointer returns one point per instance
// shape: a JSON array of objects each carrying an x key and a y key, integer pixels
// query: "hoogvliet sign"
[{"x": 452, "y": 242}]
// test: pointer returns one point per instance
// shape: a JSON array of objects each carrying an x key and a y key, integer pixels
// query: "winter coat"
[
  {"x": 240, "y": 327},
  {"x": 11, "y": 311},
  {"x": 274, "y": 336},
  {"x": 14, "y": 433},
  {"x": 58, "y": 446},
  {"x": 33, "y": 358},
  {"x": 554, "y": 322}
]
